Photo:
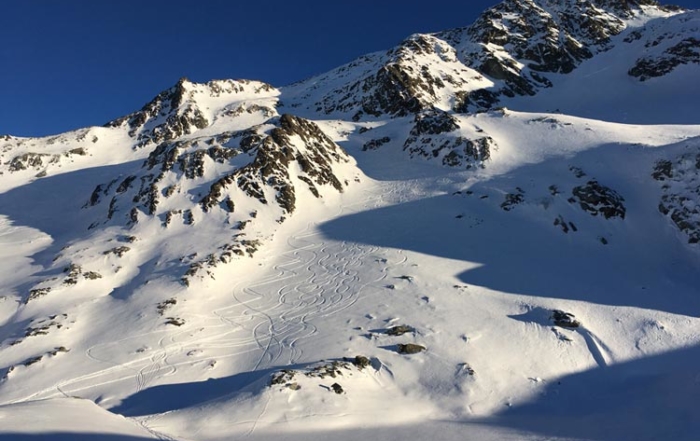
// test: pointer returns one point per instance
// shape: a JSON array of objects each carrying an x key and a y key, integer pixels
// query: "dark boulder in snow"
[
  {"x": 595, "y": 199},
  {"x": 564, "y": 319},
  {"x": 410, "y": 348}
]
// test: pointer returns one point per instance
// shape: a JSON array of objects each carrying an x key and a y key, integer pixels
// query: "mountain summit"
[
  {"x": 494, "y": 228},
  {"x": 512, "y": 49}
]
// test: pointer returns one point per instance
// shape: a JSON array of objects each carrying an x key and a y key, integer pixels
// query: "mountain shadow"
[
  {"x": 55, "y": 205},
  {"x": 528, "y": 237},
  {"x": 653, "y": 398},
  {"x": 170, "y": 397},
  {"x": 67, "y": 436}
]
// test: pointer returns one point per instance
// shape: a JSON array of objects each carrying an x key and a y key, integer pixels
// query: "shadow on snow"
[
  {"x": 653, "y": 398},
  {"x": 645, "y": 263}
]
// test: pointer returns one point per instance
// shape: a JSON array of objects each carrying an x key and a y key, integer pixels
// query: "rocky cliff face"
[
  {"x": 666, "y": 45},
  {"x": 680, "y": 184},
  {"x": 511, "y": 50},
  {"x": 230, "y": 176}
]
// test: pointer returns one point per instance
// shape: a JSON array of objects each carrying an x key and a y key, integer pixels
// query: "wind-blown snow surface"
[{"x": 109, "y": 293}]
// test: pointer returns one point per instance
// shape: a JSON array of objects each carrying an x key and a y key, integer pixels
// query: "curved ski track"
[{"x": 268, "y": 319}]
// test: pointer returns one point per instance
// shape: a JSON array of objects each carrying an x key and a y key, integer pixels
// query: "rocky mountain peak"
[
  {"x": 185, "y": 108},
  {"x": 225, "y": 179},
  {"x": 512, "y": 49}
]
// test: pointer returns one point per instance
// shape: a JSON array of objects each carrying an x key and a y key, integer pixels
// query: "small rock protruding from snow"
[
  {"x": 396, "y": 331},
  {"x": 410, "y": 348},
  {"x": 564, "y": 319}
]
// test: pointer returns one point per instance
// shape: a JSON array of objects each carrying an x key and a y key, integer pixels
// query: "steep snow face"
[{"x": 236, "y": 260}]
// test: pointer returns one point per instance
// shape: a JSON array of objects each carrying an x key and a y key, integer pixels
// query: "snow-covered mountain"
[{"x": 489, "y": 232}]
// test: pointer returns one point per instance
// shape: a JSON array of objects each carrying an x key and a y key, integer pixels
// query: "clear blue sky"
[{"x": 75, "y": 63}]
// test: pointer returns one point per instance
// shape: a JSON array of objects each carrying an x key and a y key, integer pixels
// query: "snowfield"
[{"x": 529, "y": 272}]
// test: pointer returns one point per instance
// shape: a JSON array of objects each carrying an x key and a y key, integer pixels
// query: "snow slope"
[{"x": 362, "y": 255}]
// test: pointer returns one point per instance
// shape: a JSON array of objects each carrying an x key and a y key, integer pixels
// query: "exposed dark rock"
[
  {"x": 44, "y": 326},
  {"x": 560, "y": 222},
  {"x": 374, "y": 144},
  {"x": 662, "y": 170},
  {"x": 410, "y": 348},
  {"x": 188, "y": 217},
  {"x": 57, "y": 350},
  {"x": 513, "y": 199},
  {"x": 399, "y": 330},
  {"x": 333, "y": 369},
  {"x": 361, "y": 362},
  {"x": 92, "y": 275},
  {"x": 118, "y": 251},
  {"x": 517, "y": 44},
  {"x": 337, "y": 388},
  {"x": 175, "y": 321},
  {"x": 80, "y": 151},
  {"x": 466, "y": 369},
  {"x": 577, "y": 171},
  {"x": 33, "y": 360},
  {"x": 474, "y": 101},
  {"x": 433, "y": 122},
  {"x": 125, "y": 185},
  {"x": 430, "y": 138},
  {"x": 182, "y": 116},
  {"x": 686, "y": 51},
  {"x": 282, "y": 377},
  {"x": 679, "y": 191},
  {"x": 595, "y": 199},
  {"x": 30, "y": 160},
  {"x": 163, "y": 306},
  {"x": 270, "y": 166},
  {"x": 564, "y": 319},
  {"x": 37, "y": 293}
]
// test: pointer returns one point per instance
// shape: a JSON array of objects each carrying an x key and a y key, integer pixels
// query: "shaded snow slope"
[{"x": 67, "y": 419}]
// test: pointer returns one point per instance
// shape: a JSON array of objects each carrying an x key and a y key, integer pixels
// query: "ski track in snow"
[
  {"x": 599, "y": 350},
  {"x": 313, "y": 280}
]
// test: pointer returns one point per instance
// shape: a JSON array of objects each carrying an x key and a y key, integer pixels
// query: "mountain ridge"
[{"x": 236, "y": 259}]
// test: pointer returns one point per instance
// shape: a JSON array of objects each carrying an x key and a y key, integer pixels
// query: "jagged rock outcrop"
[
  {"x": 415, "y": 75},
  {"x": 176, "y": 112},
  {"x": 518, "y": 42},
  {"x": 192, "y": 179},
  {"x": 666, "y": 45},
  {"x": 595, "y": 198},
  {"x": 509, "y": 51},
  {"x": 274, "y": 151},
  {"x": 259, "y": 159},
  {"x": 687, "y": 51},
  {"x": 45, "y": 154},
  {"x": 680, "y": 184},
  {"x": 435, "y": 135}
]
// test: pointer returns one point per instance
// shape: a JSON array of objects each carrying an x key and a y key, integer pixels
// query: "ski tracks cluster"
[{"x": 265, "y": 324}]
